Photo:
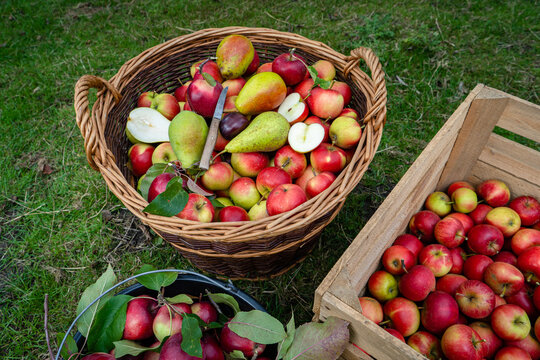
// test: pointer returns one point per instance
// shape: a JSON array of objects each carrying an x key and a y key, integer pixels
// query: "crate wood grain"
[{"x": 465, "y": 148}]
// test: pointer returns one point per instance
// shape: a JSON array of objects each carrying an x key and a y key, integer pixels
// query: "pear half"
[{"x": 148, "y": 125}]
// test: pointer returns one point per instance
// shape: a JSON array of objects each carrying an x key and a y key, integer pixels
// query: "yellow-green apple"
[
  {"x": 345, "y": 132},
  {"x": 383, "y": 285},
  {"x": 528, "y": 209},
  {"x": 315, "y": 120},
  {"x": 344, "y": 90},
  {"x": 293, "y": 108},
  {"x": 524, "y": 239},
  {"x": 211, "y": 349},
  {"x": 510, "y": 322},
  {"x": 291, "y": 67},
  {"x": 461, "y": 342},
  {"x": 234, "y": 55},
  {"x": 504, "y": 279},
  {"x": 439, "y": 203},
  {"x": 230, "y": 104},
  {"x": 523, "y": 299},
  {"x": 99, "y": 356},
  {"x": 325, "y": 70},
  {"x": 166, "y": 104},
  {"x": 234, "y": 85},
  {"x": 426, "y": 344},
  {"x": 504, "y": 218},
  {"x": 209, "y": 67},
  {"x": 319, "y": 183},
  {"x": 198, "y": 208},
  {"x": 422, "y": 225},
  {"x": 449, "y": 283},
  {"x": 219, "y": 176},
  {"x": 304, "y": 88},
  {"x": 403, "y": 315},
  {"x": 398, "y": 259},
  {"x": 202, "y": 96},
  {"x": 465, "y": 219},
  {"x": 254, "y": 65},
  {"x": 180, "y": 92},
  {"x": 326, "y": 157},
  {"x": 512, "y": 353},
  {"x": 464, "y": 200},
  {"x": 284, "y": 197},
  {"x": 233, "y": 213},
  {"x": 458, "y": 259},
  {"x": 529, "y": 264},
  {"x": 271, "y": 177},
  {"x": 304, "y": 138},
  {"x": 163, "y": 154},
  {"x": 140, "y": 158},
  {"x": 205, "y": 310},
  {"x": 507, "y": 257},
  {"x": 159, "y": 185},
  {"x": 266, "y": 67},
  {"x": 411, "y": 242},
  {"x": 449, "y": 232},
  {"x": 145, "y": 99},
  {"x": 293, "y": 162},
  {"x": 168, "y": 320},
  {"x": 494, "y": 192},
  {"x": 258, "y": 211},
  {"x": 417, "y": 283},
  {"x": 395, "y": 334},
  {"x": 492, "y": 341},
  {"x": 350, "y": 112},
  {"x": 371, "y": 309},
  {"x": 325, "y": 103},
  {"x": 221, "y": 142},
  {"x": 474, "y": 266},
  {"x": 232, "y": 124},
  {"x": 308, "y": 174},
  {"x": 475, "y": 299},
  {"x": 458, "y": 184},
  {"x": 478, "y": 215},
  {"x": 439, "y": 311},
  {"x": 139, "y": 318},
  {"x": 230, "y": 342},
  {"x": 485, "y": 239},
  {"x": 437, "y": 258},
  {"x": 249, "y": 164},
  {"x": 244, "y": 193}
]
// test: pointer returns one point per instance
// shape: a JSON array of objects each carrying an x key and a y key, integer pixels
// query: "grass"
[{"x": 60, "y": 226}]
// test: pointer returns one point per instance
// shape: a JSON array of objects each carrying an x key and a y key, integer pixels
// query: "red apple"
[
  {"x": 449, "y": 232},
  {"x": 537, "y": 327},
  {"x": 437, "y": 258},
  {"x": 395, "y": 334},
  {"x": 219, "y": 176},
  {"x": 319, "y": 183},
  {"x": 458, "y": 184},
  {"x": 458, "y": 260},
  {"x": 249, "y": 164},
  {"x": 507, "y": 257},
  {"x": 464, "y": 200},
  {"x": 325, "y": 70},
  {"x": 524, "y": 239},
  {"x": 327, "y": 157},
  {"x": 523, "y": 299},
  {"x": 168, "y": 320},
  {"x": 499, "y": 301},
  {"x": 426, "y": 344},
  {"x": 293, "y": 108},
  {"x": 510, "y": 322},
  {"x": 209, "y": 67},
  {"x": 349, "y": 112},
  {"x": 271, "y": 177},
  {"x": 232, "y": 213},
  {"x": 294, "y": 163},
  {"x": 398, "y": 259},
  {"x": 166, "y": 104},
  {"x": 440, "y": 311},
  {"x": 485, "y": 239},
  {"x": 202, "y": 97},
  {"x": 383, "y": 285},
  {"x": 529, "y": 263},
  {"x": 198, "y": 208},
  {"x": 211, "y": 349},
  {"x": 326, "y": 126},
  {"x": 536, "y": 297},
  {"x": 172, "y": 349},
  {"x": 411, "y": 242},
  {"x": 475, "y": 299},
  {"x": 529, "y": 344},
  {"x": 492, "y": 342},
  {"x": 449, "y": 283},
  {"x": 163, "y": 154},
  {"x": 159, "y": 185},
  {"x": 461, "y": 342},
  {"x": 140, "y": 158},
  {"x": 325, "y": 103},
  {"x": 230, "y": 342},
  {"x": 304, "y": 88},
  {"x": 439, "y": 203},
  {"x": 307, "y": 175},
  {"x": 528, "y": 209},
  {"x": 244, "y": 193},
  {"x": 403, "y": 314},
  {"x": 205, "y": 310},
  {"x": 344, "y": 90},
  {"x": 417, "y": 283},
  {"x": 504, "y": 279},
  {"x": 234, "y": 86},
  {"x": 291, "y": 67},
  {"x": 494, "y": 192},
  {"x": 505, "y": 219},
  {"x": 139, "y": 318},
  {"x": 474, "y": 267},
  {"x": 512, "y": 353},
  {"x": 266, "y": 67},
  {"x": 221, "y": 142},
  {"x": 99, "y": 356},
  {"x": 285, "y": 197},
  {"x": 422, "y": 225},
  {"x": 465, "y": 219},
  {"x": 371, "y": 309},
  {"x": 180, "y": 92},
  {"x": 145, "y": 99},
  {"x": 345, "y": 132},
  {"x": 478, "y": 215}
]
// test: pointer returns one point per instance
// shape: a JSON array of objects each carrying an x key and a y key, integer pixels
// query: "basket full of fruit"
[{"x": 236, "y": 145}]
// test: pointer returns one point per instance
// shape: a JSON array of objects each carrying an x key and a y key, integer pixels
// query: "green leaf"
[
  {"x": 128, "y": 347},
  {"x": 286, "y": 343},
  {"x": 154, "y": 171},
  {"x": 316, "y": 341},
  {"x": 157, "y": 280},
  {"x": 317, "y": 81},
  {"x": 209, "y": 79},
  {"x": 180, "y": 298},
  {"x": 92, "y": 292},
  {"x": 191, "y": 337},
  {"x": 70, "y": 346},
  {"x": 236, "y": 354},
  {"x": 109, "y": 324},
  {"x": 227, "y": 300},
  {"x": 171, "y": 201},
  {"x": 258, "y": 326},
  {"x": 216, "y": 204}
]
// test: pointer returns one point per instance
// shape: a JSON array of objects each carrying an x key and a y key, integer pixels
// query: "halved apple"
[
  {"x": 303, "y": 137},
  {"x": 293, "y": 108}
]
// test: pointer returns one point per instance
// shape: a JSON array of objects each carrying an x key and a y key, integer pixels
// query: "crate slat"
[{"x": 521, "y": 117}]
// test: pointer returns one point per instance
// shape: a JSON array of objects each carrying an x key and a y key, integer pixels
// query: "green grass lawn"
[{"x": 59, "y": 224}]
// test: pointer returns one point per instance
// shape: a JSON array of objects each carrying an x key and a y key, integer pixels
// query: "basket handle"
[
  {"x": 91, "y": 130},
  {"x": 377, "y": 112}
]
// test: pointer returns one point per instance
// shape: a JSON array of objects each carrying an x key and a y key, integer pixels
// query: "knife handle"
[{"x": 210, "y": 144}]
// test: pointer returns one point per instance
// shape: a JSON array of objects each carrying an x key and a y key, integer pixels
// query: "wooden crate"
[{"x": 465, "y": 148}]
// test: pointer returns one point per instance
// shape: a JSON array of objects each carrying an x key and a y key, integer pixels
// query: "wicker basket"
[{"x": 254, "y": 249}]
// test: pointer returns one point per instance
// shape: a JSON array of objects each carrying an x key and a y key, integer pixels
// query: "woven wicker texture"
[{"x": 254, "y": 249}]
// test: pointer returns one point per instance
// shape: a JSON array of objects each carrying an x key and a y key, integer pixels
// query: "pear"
[
  {"x": 262, "y": 92},
  {"x": 234, "y": 54},
  {"x": 147, "y": 125},
  {"x": 267, "y": 132},
  {"x": 187, "y": 133}
]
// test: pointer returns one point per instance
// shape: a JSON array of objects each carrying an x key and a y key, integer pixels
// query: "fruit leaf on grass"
[
  {"x": 109, "y": 324},
  {"x": 258, "y": 326},
  {"x": 92, "y": 292},
  {"x": 128, "y": 347},
  {"x": 315, "y": 341},
  {"x": 317, "y": 81},
  {"x": 171, "y": 201},
  {"x": 151, "y": 174},
  {"x": 155, "y": 281},
  {"x": 191, "y": 337},
  {"x": 225, "y": 299},
  {"x": 180, "y": 298},
  {"x": 286, "y": 343},
  {"x": 70, "y": 346}
]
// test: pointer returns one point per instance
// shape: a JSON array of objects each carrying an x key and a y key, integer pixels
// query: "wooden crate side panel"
[{"x": 521, "y": 117}]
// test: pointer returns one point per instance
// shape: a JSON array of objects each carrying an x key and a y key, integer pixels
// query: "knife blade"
[{"x": 213, "y": 131}]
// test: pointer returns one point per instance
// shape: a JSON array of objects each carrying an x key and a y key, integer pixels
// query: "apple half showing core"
[{"x": 304, "y": 138}]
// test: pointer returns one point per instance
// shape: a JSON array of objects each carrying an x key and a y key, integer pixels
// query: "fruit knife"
[{"x": 213, "y": 131}]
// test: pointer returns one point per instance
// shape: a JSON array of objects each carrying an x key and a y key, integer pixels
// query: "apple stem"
[
  {"x": 384, "y": 322},
  {"x": 504, "y": 290},
  {"x": 180, "y": 81},
  {"x": 459, "y": 294},
  {"x": 286, "y": 162},
  {"x": 529, "y": 277},
  {"x": 217, "y": 155},
  {"x": 420, "y": 308},
  {"x": 403, "y": 266}
]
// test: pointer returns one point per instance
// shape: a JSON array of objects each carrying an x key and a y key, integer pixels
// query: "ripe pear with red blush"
[{"x": 234, "y": 55}]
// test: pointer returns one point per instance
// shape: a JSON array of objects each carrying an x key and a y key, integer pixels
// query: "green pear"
[
  {"x": 187, "y": 134},
  {"x": 267, "y": 132},
  {"x": 262, "y": 92},
  {"x": 234, "y": 54}
]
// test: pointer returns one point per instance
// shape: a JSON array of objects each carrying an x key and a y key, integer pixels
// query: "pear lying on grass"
[
  {"x": 188, "y": 132},
  {"x": 148, "y": 125}
]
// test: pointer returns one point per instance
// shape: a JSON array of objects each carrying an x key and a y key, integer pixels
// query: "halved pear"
[{"x": 147, "y": 125}]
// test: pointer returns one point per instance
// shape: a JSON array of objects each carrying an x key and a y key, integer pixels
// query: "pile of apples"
[
  {"x": 285, "y": 134},
  {"x": 148, "y": 324},
  {"x": 464, "y": 284}
]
